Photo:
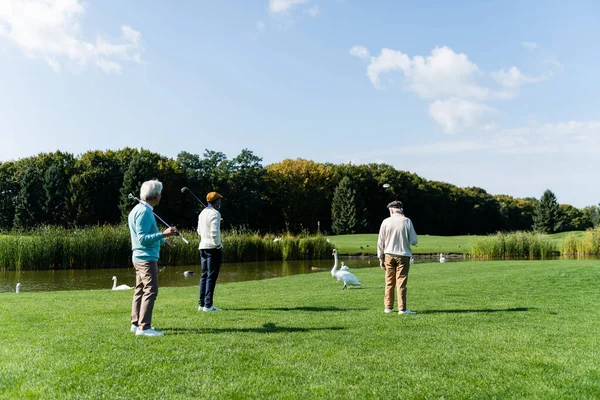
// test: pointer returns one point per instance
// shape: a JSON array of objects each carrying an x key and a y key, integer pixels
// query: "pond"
[{"x": 97, "y": 279}]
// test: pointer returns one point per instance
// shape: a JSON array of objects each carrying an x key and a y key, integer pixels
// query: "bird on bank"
[{"x": 346, "y": 277}]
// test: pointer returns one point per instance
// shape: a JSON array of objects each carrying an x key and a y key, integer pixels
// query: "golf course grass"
[
  {"x": 484, "y": 330},
  {"x": 428, "y": 244},
  {"x": 367, "y": 244}
]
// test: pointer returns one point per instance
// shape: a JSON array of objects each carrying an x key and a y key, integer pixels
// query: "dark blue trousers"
[{"x": 211, "y": 264}]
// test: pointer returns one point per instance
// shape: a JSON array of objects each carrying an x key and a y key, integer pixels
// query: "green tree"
[
  {"x": 300, "y": 189},
  {"x": 141, "y": 168},
  {"x": 28, "y": 208},
  {"x": 95, "y": 187},
  {"x": 343, "y": 208},
  {"x": 9, "y": 189},
  {"x": 546, "y": 218},
  {"x": 56, "y": 193},
  {"x": 593, "y": 214},
  {"x": 246, "y": 190},
  {"x": 574, "y": 219}
]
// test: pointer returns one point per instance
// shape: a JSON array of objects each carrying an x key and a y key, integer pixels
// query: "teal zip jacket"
[{"x": 145, "y": 236}]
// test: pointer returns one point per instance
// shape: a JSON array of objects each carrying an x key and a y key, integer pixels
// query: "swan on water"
[
  {"x": 442, "y": 258},
  {"x": 344, "y": 267},
  {"x": 18, "y": 288},
  {"x": 120, "y": 287}
]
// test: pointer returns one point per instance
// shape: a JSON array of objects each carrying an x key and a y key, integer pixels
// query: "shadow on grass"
[
  {"x": 269, "y": 327},
  {"x": 485, "y": 310},
  {"x": 311, "y": 309}
]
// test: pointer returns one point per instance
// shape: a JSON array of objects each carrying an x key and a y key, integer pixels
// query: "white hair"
[{"x": 150, "y": 189}]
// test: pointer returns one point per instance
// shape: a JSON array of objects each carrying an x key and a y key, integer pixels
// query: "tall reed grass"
[
  {"x": 110, "y": 247},
  {"x": 514, "y": 245},
  {"x": 582, "y": 245}
]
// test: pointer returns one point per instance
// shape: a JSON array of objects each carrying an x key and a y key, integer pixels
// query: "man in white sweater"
[
  {"x": 396, "y": 235},
  {"x": 211, "y": 250}
]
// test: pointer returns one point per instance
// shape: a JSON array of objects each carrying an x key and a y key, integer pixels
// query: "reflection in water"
[{"x": 96, "y": 279}]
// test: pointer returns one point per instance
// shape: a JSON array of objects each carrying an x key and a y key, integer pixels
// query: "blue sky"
[{"x": 496, "y": 94}]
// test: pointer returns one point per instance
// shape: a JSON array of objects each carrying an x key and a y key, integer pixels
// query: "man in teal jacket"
[{"x": 145, "y": 245}]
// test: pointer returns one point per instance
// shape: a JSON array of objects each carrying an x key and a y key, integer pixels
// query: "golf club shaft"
[
  {"x": 162, "y": 220},
  {"x": 196, "y": 197}
]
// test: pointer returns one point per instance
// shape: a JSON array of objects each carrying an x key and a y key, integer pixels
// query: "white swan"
[
  {"x": 343, "y": 276},
  {"x": 442, "y": 258},
  {"x": 18, "y": 288},
  {"x": 344, "y": 267},
  {"x": 120, "y": 287},
  {"x": 412, "y": 260}
]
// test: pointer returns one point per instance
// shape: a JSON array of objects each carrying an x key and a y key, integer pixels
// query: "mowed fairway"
[
  {"x": 367, "y": 244},
  {"x": 484, "y": 330}
]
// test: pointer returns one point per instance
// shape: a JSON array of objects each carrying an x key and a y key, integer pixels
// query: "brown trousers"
[
  {"x": 396, "y": 276},
  {"x": 146, "y": 290}
]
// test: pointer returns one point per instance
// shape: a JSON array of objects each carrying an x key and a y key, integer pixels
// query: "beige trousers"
[
  {"x": 146, "y": 291},
  {"x": 396, "y": 277}
]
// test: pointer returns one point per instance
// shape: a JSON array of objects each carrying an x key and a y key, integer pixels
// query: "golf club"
[
  {"x": 161, "y": 220},
  {"x": 183, "y": 189}
]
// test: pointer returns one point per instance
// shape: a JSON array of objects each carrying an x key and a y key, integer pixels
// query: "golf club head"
[{"x": 183, "y": 189}]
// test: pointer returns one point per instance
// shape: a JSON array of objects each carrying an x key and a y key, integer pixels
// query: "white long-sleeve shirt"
[
  {"x": 396, "y": 235},
  {"x": 209, "y": 228}
]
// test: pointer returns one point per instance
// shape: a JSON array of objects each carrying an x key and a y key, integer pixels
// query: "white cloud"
[
  {"x": 360, "y": 52},
  {"x": 260, "y": 26},
  {"x": 51, "y": 30},
  {"x": 452, "y": 82},
  {"x": 456, "y": 114},
  {"x": 283, "y": 6},
  {"x": 530, "y": 45},
  {"x": 443, "y": 73},
  {"x": 573, "y": 137},
  {"x": 513, "y": 78},
  {"x": 314, "y": 11},
  {"x": 567, "y": 137}
]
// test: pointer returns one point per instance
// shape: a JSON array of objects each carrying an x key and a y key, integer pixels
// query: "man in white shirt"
[
  {"x": 396, "y": 235},
  {"x": 211, "y": 250}
]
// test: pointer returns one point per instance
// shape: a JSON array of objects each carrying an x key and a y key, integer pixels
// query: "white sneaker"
[
  {"x": 134, "y": 328},
  {"x": 388, "y": 310},
  {"x": 407, "y": 311},
  {"x": 211, "y": 308},
  {"x": 148, "y": 332}
]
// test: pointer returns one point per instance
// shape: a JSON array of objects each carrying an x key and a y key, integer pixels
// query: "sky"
[{"x": 497, "y": 94}]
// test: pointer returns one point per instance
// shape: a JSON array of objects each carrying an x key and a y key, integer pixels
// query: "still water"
[{"x": 96, "y": 279}]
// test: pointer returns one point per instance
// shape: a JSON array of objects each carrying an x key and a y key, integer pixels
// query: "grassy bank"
[
  {"x": 483, "y": 330},
  {"x": 490, "y": 246},
  {"x": 110, "y": 247},
  {"x": 367, "y": 244}
]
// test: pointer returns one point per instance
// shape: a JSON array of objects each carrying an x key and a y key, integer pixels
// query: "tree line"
[{"x": 298, "y": 195}]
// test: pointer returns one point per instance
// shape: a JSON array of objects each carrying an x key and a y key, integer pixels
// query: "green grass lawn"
[
  {"x": 367, "y": 244},
  {"x": 484, "y": 330},
  {"x": 428, "y": 244}
]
